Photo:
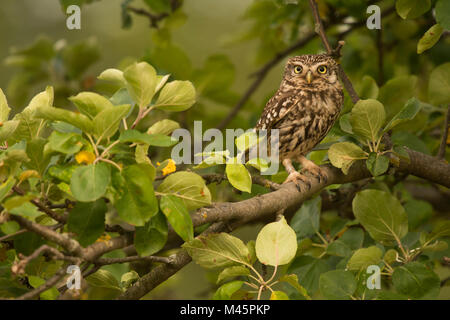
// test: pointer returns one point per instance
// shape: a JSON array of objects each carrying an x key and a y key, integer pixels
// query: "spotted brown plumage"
[{"x": 303, "y": 109}]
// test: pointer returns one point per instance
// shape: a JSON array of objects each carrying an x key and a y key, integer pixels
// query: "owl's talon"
[
  {"x": 316, "y": 172},
  {"x": 300, "y": 181}
]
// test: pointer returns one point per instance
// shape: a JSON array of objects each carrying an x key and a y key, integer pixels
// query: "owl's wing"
[{"x": 276, "y": 109}]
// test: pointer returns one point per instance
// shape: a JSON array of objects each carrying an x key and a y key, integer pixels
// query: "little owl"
[{"x": 303, "y": 109}]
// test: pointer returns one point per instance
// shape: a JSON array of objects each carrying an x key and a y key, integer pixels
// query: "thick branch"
[
  {"x": 420, "y": 165},
  {"x": 268, "y": 205},
  {"x": 161, "y": 273},
  {"x": 106, "y": 261}
]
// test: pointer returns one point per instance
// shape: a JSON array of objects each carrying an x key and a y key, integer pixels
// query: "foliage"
[{"x": 89, "y": 157}]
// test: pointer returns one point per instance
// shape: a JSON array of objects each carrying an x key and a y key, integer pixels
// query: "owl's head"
[{"x": 311, "y": 71}]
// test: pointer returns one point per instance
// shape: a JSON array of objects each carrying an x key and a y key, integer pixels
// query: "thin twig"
[
  {"x": 155, "y": 18},
  {"x": 321, "y": 32},
  {"x": 47, "y": 285},
  {"x": 42, "y": 207},
  {"x": 19, "y": 266}
]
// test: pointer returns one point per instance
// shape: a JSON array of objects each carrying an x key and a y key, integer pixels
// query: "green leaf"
[
  {"x": 6, "y": 187},
  {"x": 367, "y": 118},
  {"x": 339, "y": 248},
  {"x": 217, "y": 75},
  {"x": 377, "y": 164},
  {"x": 344, "y": 123},
  {"x": 390, "y": 256},
  {"x": 9, "y": 227},
  {"x": 159, "y": 5},
  {"x": 162, "y": 80},
  {"x": 439, "y": 85},
  {"x": 442, "y": 229},
  {"x": 344, "y": 154},
  {"x": 211, "y": 161},
  {"x": 259, "y": 164},
  {"x": 56, "y": 114},
  {"x": 395, "y": 92},
  {"x": 152, "y": 237},
  {"x": 276, "y": 243},
  {"x": 17, "y": 201},
  {"x": 178, "y": 216},
  {"x": 415, "y": 280},
  {"x": 232, "y": 272},
  {"x": 292, "y": 279},
  {"x": 157, "y": 140},
  {"x": 141, "y": 82},
  {"x": 226, "y": 290},
  {"x": 103, "y": 279},
  {"x": 164, "y": 127},
  {"x": 247, "y": 140},
  {"x": 50, "y": 294},
  {"x": 353, "y": 238},
  {"x": 42, "y": 99},
  {"x": 189, "y": 187},
  {"x": 129, "y": 278},
  {"x": 408, "y": 112},
  {"x": 107, "y": 122},
  {"x": 239, "y": 177},
  {"x": 7, "y": 129},
  {"x": 176, "y": 96},
  {"x": 113, "y": 75},
  {"x": 27, "y": 243},
  {"x": 38, "y": 155},
  {"x": 121, "y": 97},
  {"x": 308, "y": 269},
  {"x": 90, "y": 103},
  {"x": 77, "y": 58},
  {"x": 368, "y": 88},
  {"x": 67, "y": 143},
  {"x": 137, "y": 202},
  {"x": 306, "y": 220},
  {"x": 87, "y": 221},
  {"x": 29, "y": 125},
  {"x": 218, "y": 250},
  {"x": 89, "y": 183},
  {"x": 430, "y": 38},
  {"x": 364, "y": 257},
  {"x": 418, "y": 212},
  {"x": 442, "y": 10},
  {"x": 382, "y": 215},
  {"x": 278, "y": 295},
  {"x": 4, "y": 108},
  {"x": 411, "y": 9},
  {"x": 337, "y": 284},
  {"x": 409, "y": 140}
]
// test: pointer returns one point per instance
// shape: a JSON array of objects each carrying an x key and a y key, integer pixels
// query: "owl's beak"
[{"x": 309, "y": 77}]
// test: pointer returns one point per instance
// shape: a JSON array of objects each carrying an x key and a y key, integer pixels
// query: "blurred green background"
[{"x": 209, "y": 29}]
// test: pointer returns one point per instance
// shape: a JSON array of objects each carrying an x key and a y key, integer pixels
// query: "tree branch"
[
  {"x": 321, "y": 32},
  {"x": 47, "y": 285},
  {"x": 232, "y": 215},
  {"x": 161, "y": 273},
  {"x": 155, "y": 18}
]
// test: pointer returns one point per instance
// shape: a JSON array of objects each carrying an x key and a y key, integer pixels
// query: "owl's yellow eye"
[
  {"x": 298, "y": 69},
  {"x": 322, "y": 69}
]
